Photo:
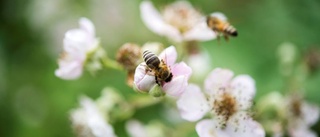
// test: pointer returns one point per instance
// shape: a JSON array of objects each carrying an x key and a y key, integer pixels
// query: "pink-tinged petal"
[
  {"x": 310, "y": 113},
  {"x": 210, "y": 128},
  {"x": 87, "y": 25},
  {"x": 302, "y": 131},
  {"x": 218, "y": 78},
  {"x": 219, "y": 15},
  {"x": 169, "y": 55},
  {"x": 75, "y": 41},
  {"x": 192, "y": 104},
  {"x": 69, "y": 70},
  {"x": 242, "y": 125},
  {"x": 200, "y": 32},
  {"x": 181, "y": 69},
  {"x": 154, "y": 21},
  {"x": 142, "y": 80},
  {"x": 243, "y": 88},
  {"x": 176, "y": 86}
]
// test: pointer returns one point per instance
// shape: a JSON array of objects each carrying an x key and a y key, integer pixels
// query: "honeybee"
[
  {"x": 218, "y": 23},
  {"x": 157, "y": 67}
]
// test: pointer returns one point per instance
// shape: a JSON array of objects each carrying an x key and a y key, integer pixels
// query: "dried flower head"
[
  {"x": 129, "y": 56},
  {"x": 312, "y": 58}
]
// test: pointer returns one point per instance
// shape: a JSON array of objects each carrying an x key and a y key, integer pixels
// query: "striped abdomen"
[
  {"x": 151, "y": 59},
  {"x": 230, "y": 30}
]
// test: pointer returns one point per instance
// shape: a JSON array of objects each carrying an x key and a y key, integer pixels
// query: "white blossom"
[
  {"x": 227, "y": 99},
  {"x": 77, "y": 44},
  {"x": 179, "y": 21},
  {"x": 89, "y": 121}
]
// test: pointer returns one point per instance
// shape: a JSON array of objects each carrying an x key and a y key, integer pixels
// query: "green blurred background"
[{"x": 34, "y": 102}]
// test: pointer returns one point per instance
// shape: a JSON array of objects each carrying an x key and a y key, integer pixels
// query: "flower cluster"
[{"x": 222, "y": 107}]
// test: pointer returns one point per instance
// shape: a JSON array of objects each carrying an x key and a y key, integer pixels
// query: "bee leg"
[
  {"x": 226, "y": 37},
  {"x": 157, "y": 80},
  {"x": 218, "y": 39}
]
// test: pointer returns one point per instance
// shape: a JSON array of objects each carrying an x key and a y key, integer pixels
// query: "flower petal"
[
  {"x": 210, "y": 128},
  {"x": 302, "y": 131},
  {"x": 200, "y": 32},
  {"x": 176, "y": 86},
  {"x": 87, "y": 25},
  {"x": 242, "y": 125},
  {"x": 217, "y": 78},
  {"x": 169, "y": 55},
  {"x": 243, "y": 88},
  {"x": 310, "y": 113},
  {"x": 69, "y": 70},
  {"x": 192, "y": 104},
  {"x": 75, "y": 41},
  {"x": 136, "y": 129},
  {"x": 154, "y": 21},
  {"x": 142, "y": 80},
  {"x": 181, "y": 69},
  {"x": 92, "y": 118},
  {"x": 219, "y": 15}
]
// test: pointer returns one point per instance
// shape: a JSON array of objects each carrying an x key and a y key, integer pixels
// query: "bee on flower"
[
  {"x": 146, "y": 80},
  {"x": 228, "y": 99},
  {"x": 178, "y": 21}
]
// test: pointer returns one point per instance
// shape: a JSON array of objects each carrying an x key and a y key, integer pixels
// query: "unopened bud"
[{"x": 156, "y": 91}]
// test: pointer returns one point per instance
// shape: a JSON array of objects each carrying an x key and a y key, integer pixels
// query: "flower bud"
[
  {"x": 156, "y": 91},
  {"x": 287, "y": 53},
  {"x": 312, "y": 59}
]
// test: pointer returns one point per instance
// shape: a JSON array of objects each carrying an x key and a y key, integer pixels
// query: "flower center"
[
  {"x": 182, "y": 16},
  {"x": 224, "y": 107}
]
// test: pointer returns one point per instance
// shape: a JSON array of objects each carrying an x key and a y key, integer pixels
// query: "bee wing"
[{"x": 219, "y": 15}]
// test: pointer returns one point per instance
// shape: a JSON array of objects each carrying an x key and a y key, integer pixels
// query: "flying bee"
[
  {"x": 158, "y": 67},
  {"x": 218, "y": 23}
]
